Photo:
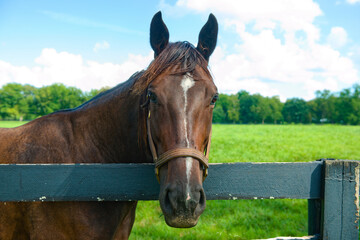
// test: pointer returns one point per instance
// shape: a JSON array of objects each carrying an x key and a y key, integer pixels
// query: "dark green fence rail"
[{"x": 331, "y": 187}]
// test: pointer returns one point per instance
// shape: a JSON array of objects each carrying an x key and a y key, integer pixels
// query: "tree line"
[
  {"x": 26, "y": 102},
  {"x": 339, "y": 107}
]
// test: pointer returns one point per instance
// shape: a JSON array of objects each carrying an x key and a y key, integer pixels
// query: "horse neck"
[{"x": 111, "y": 125}]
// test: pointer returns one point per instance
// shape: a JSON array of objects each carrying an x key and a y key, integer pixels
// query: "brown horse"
[{"x": 164, "y": 111}]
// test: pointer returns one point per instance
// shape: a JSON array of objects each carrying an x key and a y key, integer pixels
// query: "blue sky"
[{"x": 287, "y": 48}]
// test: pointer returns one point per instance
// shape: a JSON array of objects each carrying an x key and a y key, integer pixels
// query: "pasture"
[
  {"x": 247, "y": 219},
  {"x": 11, "y": 124}
]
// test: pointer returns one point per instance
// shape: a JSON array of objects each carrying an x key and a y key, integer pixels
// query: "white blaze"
[{"x": 186, "y": 83}]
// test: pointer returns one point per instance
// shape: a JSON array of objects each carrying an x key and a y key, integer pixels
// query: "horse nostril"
[
  {"x": 195, "y": 201},
  {"x": 201, "y": 204},
  {"x": 169, "y": 200}
]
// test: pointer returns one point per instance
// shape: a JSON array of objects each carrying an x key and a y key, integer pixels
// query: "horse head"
[{"x": 179, "y": 96}]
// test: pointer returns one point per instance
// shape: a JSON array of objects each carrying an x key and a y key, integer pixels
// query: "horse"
[{"x": 160, "y": 114}]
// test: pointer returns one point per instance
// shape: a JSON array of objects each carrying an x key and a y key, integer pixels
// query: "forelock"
[{"x": 178, "y": 58}]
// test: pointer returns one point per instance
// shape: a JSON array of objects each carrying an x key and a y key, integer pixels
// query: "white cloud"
[
  {"x": 292, "y": 63},
  {"x": 353, "y": 1},
  {"x": 72, "y": 70},
  {"x": 292, "y": 15},
  {"x": 101, "y": 46},
  {"x": 337, "y": 37},
  {"x": 272, "y": 64}
]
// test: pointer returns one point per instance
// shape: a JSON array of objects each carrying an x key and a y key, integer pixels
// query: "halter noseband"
[{"x": 177, "y": 152}]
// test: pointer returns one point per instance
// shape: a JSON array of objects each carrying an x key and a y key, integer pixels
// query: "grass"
[
  {"x": 284, "y": 143},
  {"x": 249, "y": 219},
  {"x": 11, "y": 124}
]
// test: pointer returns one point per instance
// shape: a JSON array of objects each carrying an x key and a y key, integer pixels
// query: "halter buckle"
[{"x": 157, "y": 174}]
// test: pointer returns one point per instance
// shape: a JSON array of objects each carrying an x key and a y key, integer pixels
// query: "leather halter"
[{"x": 177, "y": 152}]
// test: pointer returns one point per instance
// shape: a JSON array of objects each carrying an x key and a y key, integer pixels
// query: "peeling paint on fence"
[
  {"x": 357, "y": 194},
  {"x": 42, "y": 198}
]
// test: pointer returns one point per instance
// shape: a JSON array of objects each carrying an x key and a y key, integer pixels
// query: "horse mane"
[
  {"x": 177, "y": 58},
  {"x": 109, "y": 93}
]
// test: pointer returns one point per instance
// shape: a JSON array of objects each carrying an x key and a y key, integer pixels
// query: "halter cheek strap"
[{"x": 177, "y": 152}]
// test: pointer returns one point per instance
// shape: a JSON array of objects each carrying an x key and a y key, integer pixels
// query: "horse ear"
[
  {"x": 159, "y": 34},
  {"x": 208, "y": 37}
]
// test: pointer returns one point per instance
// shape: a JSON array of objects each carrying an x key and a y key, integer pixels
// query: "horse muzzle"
[{"x": 182, "y": 209}]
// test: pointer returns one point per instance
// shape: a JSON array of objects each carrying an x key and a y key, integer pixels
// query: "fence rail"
[{"x": 332, "y": 187}]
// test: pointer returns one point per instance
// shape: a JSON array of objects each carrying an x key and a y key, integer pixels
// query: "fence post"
[
  {"x": 341, "y": 200},
  {"x": 314, "y": 216}
]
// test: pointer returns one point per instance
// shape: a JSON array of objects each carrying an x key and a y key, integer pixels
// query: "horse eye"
[
  {"x": 214, "y": 99},
  {"x": 152, "y": 97}
]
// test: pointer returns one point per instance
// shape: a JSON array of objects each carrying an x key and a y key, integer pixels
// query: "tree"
[
  {"x": 261, "y": 108},
  {"x": 233, "y": 114},
  {"x": 230, "y": 108},
  {"x": 348, "y": 106},
  {"x": 276, "y": 107},
  {"x": 356, "y": 105},
  {"x": 219, "y": 115},
  {"x": 322, "y": 108},
  {"x": 16, "y": 101},
  {"x": 248, "y": 111},
  {"x": 57, "y": 97},
  {"x": 256, "y": 108},
  {"x": 296, "y": 110}
]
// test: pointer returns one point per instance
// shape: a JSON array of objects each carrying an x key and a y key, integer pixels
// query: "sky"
[{"x": 285, "y": 48}]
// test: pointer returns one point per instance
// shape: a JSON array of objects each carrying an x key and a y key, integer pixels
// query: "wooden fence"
[{"x": 331, "y": 187}]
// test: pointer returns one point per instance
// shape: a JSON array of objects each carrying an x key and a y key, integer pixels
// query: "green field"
[
  {"x": 249, "y": 219},
  {"x": 11, "y": 124}
]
